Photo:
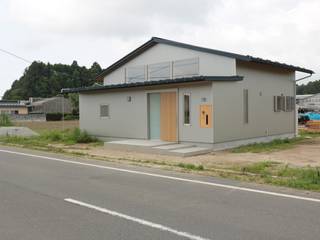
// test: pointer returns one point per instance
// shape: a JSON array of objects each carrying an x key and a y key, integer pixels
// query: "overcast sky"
[{"x": 60, "y": 31}]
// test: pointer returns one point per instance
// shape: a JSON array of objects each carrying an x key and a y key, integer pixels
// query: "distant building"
[
  {"x": 13, "y": 107},
  {"x": 309, "y": 102},
  {"x": 50, "y": 105}
]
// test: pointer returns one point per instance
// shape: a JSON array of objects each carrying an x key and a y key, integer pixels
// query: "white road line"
[
  {"x": 168, "y": 177},
  {"x": 137, "y": 220}
]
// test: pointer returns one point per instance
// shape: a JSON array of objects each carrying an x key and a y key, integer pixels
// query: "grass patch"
[
  {"x": 5, "y": 121},
  {"x": 66, "y": 137},
  {"x": 191, "y": 166},
  {"x": 277, "y": 144},
  {"x": 307, "y": 178}
]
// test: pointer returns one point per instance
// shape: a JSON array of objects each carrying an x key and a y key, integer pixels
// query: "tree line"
[
  {"x": 46, "y": 80},
  {"x": 309, "y": 88}
]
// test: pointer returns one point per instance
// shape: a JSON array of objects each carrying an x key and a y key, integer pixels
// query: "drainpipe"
[{"x": 295, "y": 106}]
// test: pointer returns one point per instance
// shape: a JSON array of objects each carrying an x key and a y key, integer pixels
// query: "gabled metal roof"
[
  {"x": 96, "y": 88},
  {"x": 155, "y": 40}
]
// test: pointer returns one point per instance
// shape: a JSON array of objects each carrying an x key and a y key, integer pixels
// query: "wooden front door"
[{"x": 168, "y": 116}]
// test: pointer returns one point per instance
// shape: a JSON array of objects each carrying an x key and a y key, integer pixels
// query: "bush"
[
  {"x": 191, "y": 166},
  {"x": 82, "y": 136},
  {"x": 5, "y": 121},
  {"x": 71, "y": 117},
  {"x": 54, "y": 116}
]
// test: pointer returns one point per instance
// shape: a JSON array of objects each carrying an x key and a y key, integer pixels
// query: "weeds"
[
  {"x": 306, "y": 178},
  {"x": 67, "y": 137},
  {"x": 191, "y": 166},
  {"x": 277, "y": 144},
  {"x": 5, "y": 120}
]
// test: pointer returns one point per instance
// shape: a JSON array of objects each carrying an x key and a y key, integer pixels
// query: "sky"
[{"x": 61, "y": 31}]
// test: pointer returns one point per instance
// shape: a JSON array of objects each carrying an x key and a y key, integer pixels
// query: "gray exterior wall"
[
  {"x": 209, "y": 64},
  {"x": 130, "y": 119},
  {"x": 228, "y": 115},
  {"x": 193, "y": 132},
  {"x": 127, "y": 119}
]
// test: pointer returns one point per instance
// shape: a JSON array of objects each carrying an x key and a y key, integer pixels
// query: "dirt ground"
[
  {"x": 304, "y": 154},
  {"x": 39, "y": 126}
]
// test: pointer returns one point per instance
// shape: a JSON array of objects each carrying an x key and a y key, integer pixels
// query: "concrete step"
[
  {"x": 174, "y": 146},
  {"x": 192, "y": 151},
  {"x": 157, "y": 147}
]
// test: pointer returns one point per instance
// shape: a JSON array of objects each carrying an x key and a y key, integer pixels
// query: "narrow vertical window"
[
  {"x": 186, "y": 102},
  {"x": 245, "y": 106}
]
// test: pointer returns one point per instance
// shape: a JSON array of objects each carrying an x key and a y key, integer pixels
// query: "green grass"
[
  {"x": 191, "y": 166},
  {"x": 277, "y": 144},
  {"x": 5, "y": 120},
  {"x": 66, "y": 137},
  {"x": 307, "y": 178}
]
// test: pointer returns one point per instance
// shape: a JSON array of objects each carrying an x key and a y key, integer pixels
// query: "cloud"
[
  {"x": 119, "y": 18},
  {"x": 106, "y": 30}
]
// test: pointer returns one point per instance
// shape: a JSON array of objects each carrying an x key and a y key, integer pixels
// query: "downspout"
[{"x": 295, "y": 105}]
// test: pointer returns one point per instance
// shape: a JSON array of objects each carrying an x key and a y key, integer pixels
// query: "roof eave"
[{"x": 154, "y": 83}]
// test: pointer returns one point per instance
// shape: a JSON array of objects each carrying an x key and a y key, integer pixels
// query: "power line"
[{"x": 16, "y": 56}]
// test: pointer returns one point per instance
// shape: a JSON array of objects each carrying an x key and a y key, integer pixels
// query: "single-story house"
[
  {"x": 13, "y": 107},
  {"x": 309, "y": 102},
  {"x": 57, "y": 104},
  {"x": 178, "y": 92}
]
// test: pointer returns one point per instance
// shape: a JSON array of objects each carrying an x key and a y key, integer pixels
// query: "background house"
[
  {"x": 310, "y": 102},
  {"x": 13, "y": 107},
  {"x": 50, "y": 105}
]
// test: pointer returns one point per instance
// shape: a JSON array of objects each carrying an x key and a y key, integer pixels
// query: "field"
[{"x": 39, "y": 126}]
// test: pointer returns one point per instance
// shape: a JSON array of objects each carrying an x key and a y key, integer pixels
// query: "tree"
[
  {"x": 309, "y": 88},
  {"x": 47, "y": 80},
  {"x": 74, "y": 98}
]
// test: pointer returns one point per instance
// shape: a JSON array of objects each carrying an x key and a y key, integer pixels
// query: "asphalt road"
[{"x": 57, "y": 198}]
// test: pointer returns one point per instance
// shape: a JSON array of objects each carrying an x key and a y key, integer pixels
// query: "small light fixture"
[{"x": 204, "y": 99}]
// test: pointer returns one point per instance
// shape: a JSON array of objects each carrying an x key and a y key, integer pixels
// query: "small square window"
[{"x": 104, "y": 110}]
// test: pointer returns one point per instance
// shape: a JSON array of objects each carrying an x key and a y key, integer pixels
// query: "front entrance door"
[
  {"x": 163, "y": 116},
  {"x": 154, "y": 115},
  {"x": 168, "y": 117}
]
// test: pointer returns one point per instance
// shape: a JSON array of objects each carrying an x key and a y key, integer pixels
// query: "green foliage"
[
  {"x": 54, "y": 116},
  {"x": 71, "y": 117},
  {"x": 74, "y": 98},
  {"x": 82, "y": 136},
  {"x": 191, "y": 166},
  {"x": 309, "y": 88},
  {"x": 46, "y": 138},
  {"x": 277, "y": 144},
  {"x": 47, "y": 80},
  {"x": 307, "y": 178},
  {"x": 5, "y": 121}
]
